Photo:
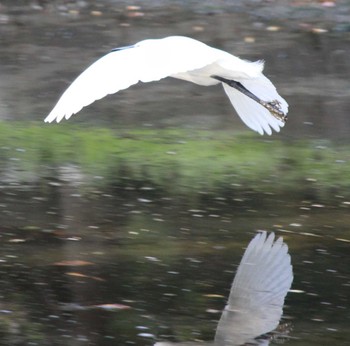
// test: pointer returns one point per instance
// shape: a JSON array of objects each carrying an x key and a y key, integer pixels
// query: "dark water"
[{"x": 65, "y": 252}]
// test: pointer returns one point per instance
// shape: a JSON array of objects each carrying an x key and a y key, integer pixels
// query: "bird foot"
[{"x": 274, "y": 107}]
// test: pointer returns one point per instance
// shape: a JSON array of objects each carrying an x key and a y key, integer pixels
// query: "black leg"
[{"x": 274, "y": 107}]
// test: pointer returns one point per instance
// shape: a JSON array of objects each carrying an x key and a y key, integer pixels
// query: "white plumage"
[
  {"x": 257, "y": 294},
  {"x": 182, "y": 58},
  {"x": 262, "y": 281}
]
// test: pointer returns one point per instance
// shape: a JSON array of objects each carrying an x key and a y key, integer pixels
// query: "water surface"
[{"x": 168, "y": 255}]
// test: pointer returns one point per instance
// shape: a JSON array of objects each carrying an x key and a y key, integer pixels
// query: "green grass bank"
[{"x": 176, "y": 159}]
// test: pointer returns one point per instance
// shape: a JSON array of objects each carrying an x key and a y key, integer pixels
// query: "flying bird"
[
  {"x": 255, "y": 303},
  {"x": 253, "y": 96}
]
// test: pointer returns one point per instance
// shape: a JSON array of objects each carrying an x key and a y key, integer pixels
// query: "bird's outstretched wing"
[
  {"x": 252, "y": 113},
  {"x": 146, "y": 61},
  {"x": 255, "y": 304}
]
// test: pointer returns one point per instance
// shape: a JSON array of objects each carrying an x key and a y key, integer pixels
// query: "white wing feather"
[
  {"x": 253, "y": 114},
  {"x": 255, "y": 304},
  {"x": 149, "y": 60},
  {"x": 94, "y": 83}
]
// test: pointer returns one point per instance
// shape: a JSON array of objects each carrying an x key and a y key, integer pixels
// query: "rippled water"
[
  {"x": 70, "y": 254},
  {"x": 64, "y": 253}
]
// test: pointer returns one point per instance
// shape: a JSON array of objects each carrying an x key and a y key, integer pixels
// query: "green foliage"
[{"x": 176, "y": 160}]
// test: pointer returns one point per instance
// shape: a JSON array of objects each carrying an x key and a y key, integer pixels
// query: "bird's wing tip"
[
  {"x": 55, "y": 116},
  {"x": 48, "y": 120}
]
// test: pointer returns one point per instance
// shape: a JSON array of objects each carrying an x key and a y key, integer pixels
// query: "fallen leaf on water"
[
  {"x": 319, "y": 30},
  {"x": 198, "y": 28},
  {"x": 133, "y": 8},
  {"x": 273, "y": 28},
  {"x": 342, "y": 239},
  {"x": 73, "y": 263},
  {"x": 135, "y": 14},
  {"x": 213, "y": 295},
  {"x": 17, "y": 240},
  {"x": 96, "y": 13},
  {"x": 110, "y": 307},
  {"x": 249, "y": 39},
  {"x": 74, "y": 12},
  {"x": 80, "y": 275},
  {"x": 328, "y": 3}
]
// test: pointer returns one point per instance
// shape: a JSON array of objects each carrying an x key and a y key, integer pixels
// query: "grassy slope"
[{"x": 175, "y": 158}]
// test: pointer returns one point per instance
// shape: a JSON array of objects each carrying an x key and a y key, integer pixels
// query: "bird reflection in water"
[{"x": 255, "y": 303}]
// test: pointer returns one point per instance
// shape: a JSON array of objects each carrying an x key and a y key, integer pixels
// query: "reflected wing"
[
  {"x": 147, "y": 61},
  {"x": 255, "y": 304},
  {"x": 252, "y": 114}
]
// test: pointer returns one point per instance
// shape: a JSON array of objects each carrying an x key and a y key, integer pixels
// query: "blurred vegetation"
[{"x": 176, "y": 160}]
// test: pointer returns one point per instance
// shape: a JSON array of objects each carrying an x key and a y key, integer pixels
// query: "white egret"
[
  {"x": 252, "y": 94},
  {"x": 257, "y": 294}
]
